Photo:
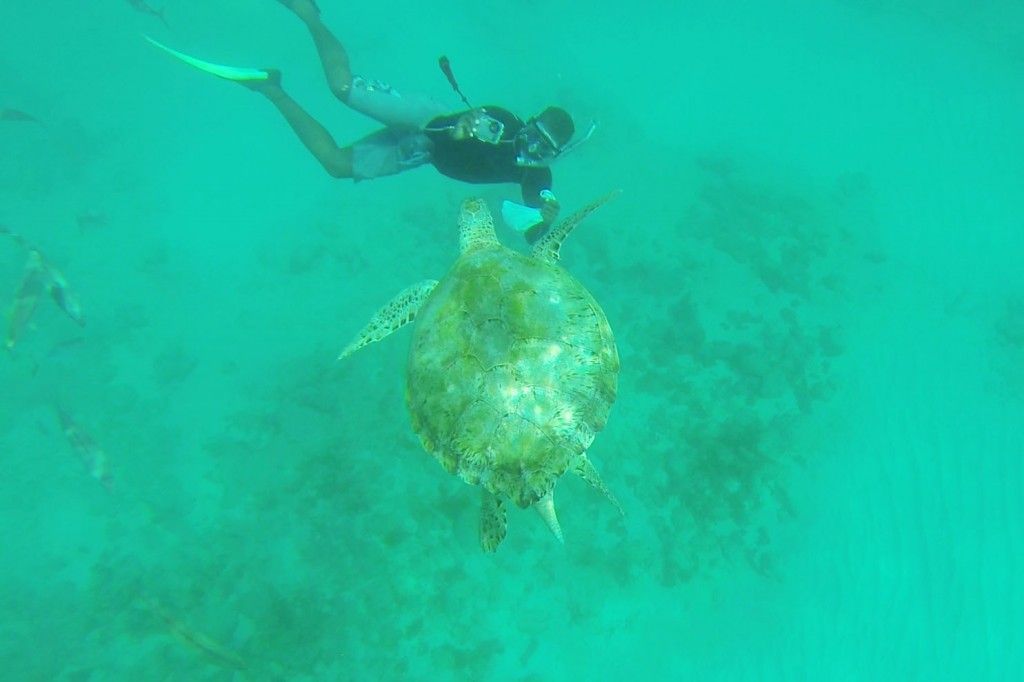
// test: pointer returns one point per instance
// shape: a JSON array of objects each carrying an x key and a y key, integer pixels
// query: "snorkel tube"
[{"x": 573, "y": 144}]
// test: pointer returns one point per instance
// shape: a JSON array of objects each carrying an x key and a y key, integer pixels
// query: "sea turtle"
[{"x": 512, "y": 369}]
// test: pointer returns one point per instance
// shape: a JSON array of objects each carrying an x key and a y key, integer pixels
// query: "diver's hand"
[{"x": 550, "y": 208}]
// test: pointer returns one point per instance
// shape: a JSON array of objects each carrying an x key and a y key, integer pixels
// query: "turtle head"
[{"x": 476, "y": 226}]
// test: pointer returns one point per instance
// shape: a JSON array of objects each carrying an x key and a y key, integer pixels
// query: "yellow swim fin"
[{"x": 231, "y": 73}]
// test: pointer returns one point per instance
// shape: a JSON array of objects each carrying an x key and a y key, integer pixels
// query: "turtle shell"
[{"x": 512, "y": 371}]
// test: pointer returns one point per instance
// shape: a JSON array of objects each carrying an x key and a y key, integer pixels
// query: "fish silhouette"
[
  {"x": 208, "y": 648},
  {"x": 15, "y": 115},
  {"x": 143, "y": 7},
  {"x": 91, "y": 454},
  {"x": 40, "y": 276},
  {"x": 34, "y": 283}
]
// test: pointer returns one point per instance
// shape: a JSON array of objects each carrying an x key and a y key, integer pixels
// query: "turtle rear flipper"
[
  {"x": 395, "y": 314},
  {"x": 492, "y": 521},
  {"x": 583, "y": 468}
]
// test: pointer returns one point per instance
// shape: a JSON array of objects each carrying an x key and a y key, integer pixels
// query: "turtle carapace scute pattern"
[{"x": 512, "y": 370}]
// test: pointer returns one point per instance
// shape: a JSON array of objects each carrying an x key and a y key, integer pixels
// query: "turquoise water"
[{"x": 814, "y": 274}]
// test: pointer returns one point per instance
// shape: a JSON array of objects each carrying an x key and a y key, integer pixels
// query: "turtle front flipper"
[
  {"x": 546, "y": 249},
  {"x": 398, "y": 312},
  {"x": 584, "y": 468},
  {"x": 492, "y": 521}
]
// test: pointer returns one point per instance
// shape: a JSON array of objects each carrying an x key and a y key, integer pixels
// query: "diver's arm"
[{"x": 536, "y": 182}]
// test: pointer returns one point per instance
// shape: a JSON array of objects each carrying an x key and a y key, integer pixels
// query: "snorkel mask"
[{"x": 536, "y": 146}]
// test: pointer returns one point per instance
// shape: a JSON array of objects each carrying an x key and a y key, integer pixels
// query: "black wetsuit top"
[{"x": 476, "y": 161}]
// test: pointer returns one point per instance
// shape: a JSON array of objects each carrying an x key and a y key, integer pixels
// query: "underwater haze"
[{"x": 814, "y": 272}]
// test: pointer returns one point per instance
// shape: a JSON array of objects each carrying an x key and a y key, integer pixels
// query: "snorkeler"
[{"x": 486, "y": 144}]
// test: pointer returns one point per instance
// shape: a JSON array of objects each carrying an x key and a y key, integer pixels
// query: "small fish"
[
  {"x": 88, "y": 450},
  {"x": 61, "y": 292},
  {"x": 90, "y": 218},
  {"x": 26, "y": 299},
  {"x": 210, "y": 650},
  {"x": 16, "y": 237},
  {"x": 63, "y": 348},
  {"x": 64, "y": 297},
  {"x": 143, "y": 7},
  {"x": 15, "y": 115}
]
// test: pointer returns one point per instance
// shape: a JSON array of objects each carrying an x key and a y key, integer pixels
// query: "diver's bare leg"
[
  {"x": 337, "y": 161},
  {"x": 333, "y": 57}
]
